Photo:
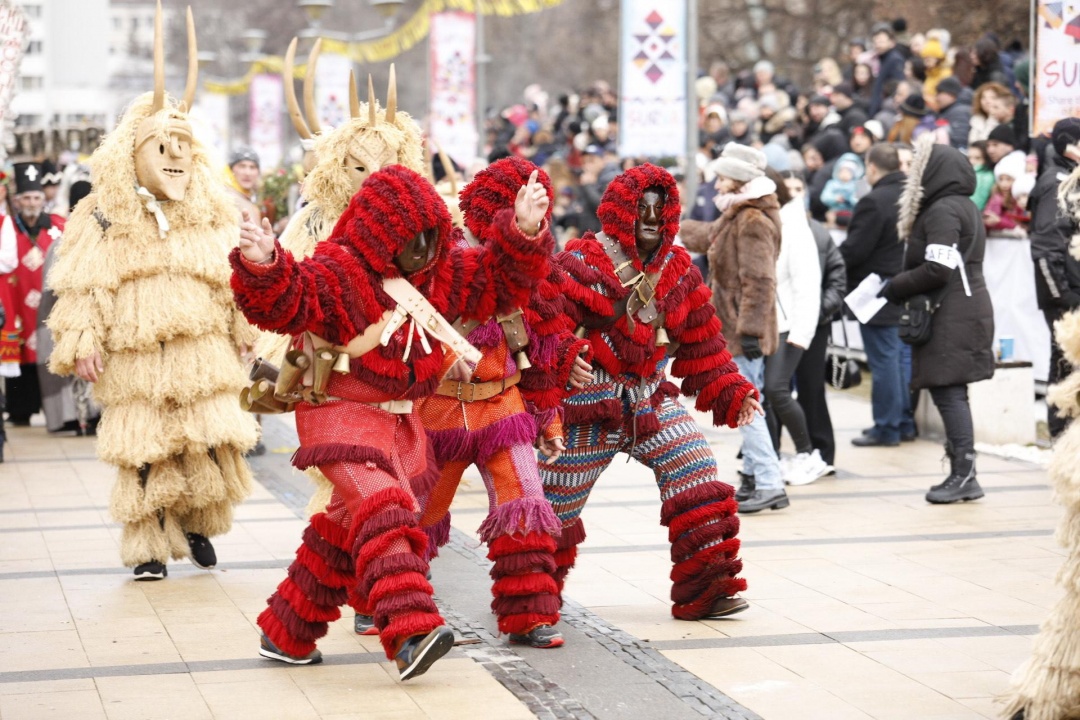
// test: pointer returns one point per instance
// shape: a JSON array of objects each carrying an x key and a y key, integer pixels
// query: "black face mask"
[
  {"x": 647, "y": 229},
  {"x": 418, "y": 252}
]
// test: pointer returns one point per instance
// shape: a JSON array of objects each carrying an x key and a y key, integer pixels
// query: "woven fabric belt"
[{"x": 474, "y": 392}]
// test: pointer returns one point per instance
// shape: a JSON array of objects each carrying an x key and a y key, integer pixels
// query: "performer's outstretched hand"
[
  {"x": 256, "y": 243},
  {"x": 531, "y": 206},
  {"x": 581, "y": 374},
  {"x": 552, "y": 449},
  {"x": 88, "y": 368},
  {"x": 750, "y": 405}
]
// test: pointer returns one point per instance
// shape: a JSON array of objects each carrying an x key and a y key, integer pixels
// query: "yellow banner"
[{"x": 406, "y": 36}]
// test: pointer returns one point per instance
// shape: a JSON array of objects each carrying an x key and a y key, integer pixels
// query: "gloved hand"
[
  {"x": 751, "y": 347},
  {"x": 888, "y": 293}
]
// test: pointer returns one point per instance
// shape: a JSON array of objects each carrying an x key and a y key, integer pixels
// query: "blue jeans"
[
  {"x": 759, "y": 458},
  {"x": 890, "y": 369}
]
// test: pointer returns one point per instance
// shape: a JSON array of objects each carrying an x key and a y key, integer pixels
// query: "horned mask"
[
  {"x": 367, "y": 150},
  {"x": 163, "y": 153}
]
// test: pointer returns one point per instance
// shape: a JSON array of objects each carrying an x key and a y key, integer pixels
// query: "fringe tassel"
[{"x": 524, "y": 515}]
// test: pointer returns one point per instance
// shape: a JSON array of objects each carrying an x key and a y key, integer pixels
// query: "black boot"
[
  {"x": 747, "y": 485},
  {"x": 961, "y": 483}
]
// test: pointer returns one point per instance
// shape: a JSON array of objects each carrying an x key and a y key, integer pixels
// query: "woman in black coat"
[{"x": 945, "y": 243}]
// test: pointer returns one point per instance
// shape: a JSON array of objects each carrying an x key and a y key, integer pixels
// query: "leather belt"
[
  {"x": 394, "y": 407},
  {"x": 474, "y": 392}
]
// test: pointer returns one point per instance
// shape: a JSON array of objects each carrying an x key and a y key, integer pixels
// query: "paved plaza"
[{"x": 866, "y": 602}]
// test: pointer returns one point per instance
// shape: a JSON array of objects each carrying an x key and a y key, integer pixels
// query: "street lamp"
[
  {"x": 388, "y": 8},
  {"x": 314, "y": 10}
]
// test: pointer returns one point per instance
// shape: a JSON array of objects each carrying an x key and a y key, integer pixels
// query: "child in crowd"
[
  {"x": 1002, "y": 214},
  {"x": 840, "y": 192},
  {"x": 984, "y": 174}
]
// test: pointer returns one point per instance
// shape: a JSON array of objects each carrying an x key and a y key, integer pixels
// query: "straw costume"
[
  {"x": 143, "y": 300},
  {"x": 494, "y": 422},
  {"x": 1047, "y": 685},
  {"x": 636, "y": 315},
  {"x": 357, "y": 423}
]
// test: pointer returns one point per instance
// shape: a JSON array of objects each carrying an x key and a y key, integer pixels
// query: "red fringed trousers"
[
  {"x": 367, "y": 544},
  {"x": 698, "y": 510}
]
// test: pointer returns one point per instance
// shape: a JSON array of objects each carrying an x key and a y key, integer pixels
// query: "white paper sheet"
[{"x": 864, "y": 301}]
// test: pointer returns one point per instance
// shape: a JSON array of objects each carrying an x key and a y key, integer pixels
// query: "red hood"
[
  {"x": 495, "y": 188},
  {"x": 392, "y": 207},
  {"x": 618, "y": 211}
]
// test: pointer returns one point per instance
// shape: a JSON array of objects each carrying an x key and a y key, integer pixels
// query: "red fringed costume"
[
  {"x": 368, "y": 543},
  {"x": 631, "y": 407},
  {"x": 498, "y": 433}
]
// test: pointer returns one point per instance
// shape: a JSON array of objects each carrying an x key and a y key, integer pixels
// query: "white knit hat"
[
  {"x": 1014, "y": 165},
  {"x": 740, "y": 162},
  {"x": 1023, "y": 185}
]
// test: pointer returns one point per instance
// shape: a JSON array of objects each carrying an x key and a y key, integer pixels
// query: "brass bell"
[
  {"x": 662, "y": 338},
  {"x": 341, "y": 365},
  {"x": 522, "y": 360}
]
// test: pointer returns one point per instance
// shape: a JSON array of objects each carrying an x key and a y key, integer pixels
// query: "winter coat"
[
  {"x": 1057, "y": 272},
  {"x": 984, "y": 186},
  {"x": 872, "y": 245},
  {"x": 892, "y": 68},
  {"x": 743, "y": 246},
  {"x": 946, "y": 222},
  {"x": 852, "y": 118},
  {"x": 958, "y": 116},
  {"x": 833, "y": 273},
  {"x": 798, "y": 277}
]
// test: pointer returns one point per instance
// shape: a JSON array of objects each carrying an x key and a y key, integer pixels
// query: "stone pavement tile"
[
  {"x": 1004, "y": 652},
  {"x": 30, "y": 546},
  {"x": 141, "y": 696},
  {"x": 757, "y": 620},
  {"x": 825, "y": 614},
  {"x": 654, "y": 622},
  {"x": 838, "y": 582},
  {"x": 912, "y": 657},
  {"x": 42, "y": 650},
  {"x": 271, "y": 672},
  {"x": 880, "y": 691},
  {"x": 276, "y": 698},
  {"x": 123, "y": 649},
  {"x": 439, "y": 693},
  {"x": 764, "y": 686},
  {"x": 764, "y": 584},
  {"x": 38, "y": 687},
  {"x": 987, "y": 707},
  {"x": 82, "y": 704},
  {"x": 963, "y": 685},
  {"x": 918, "y": 610},
  {"x": 344, "y": 689},
  {"x": 33, "y": 604}
]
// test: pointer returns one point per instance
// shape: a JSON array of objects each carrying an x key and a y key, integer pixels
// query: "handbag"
[
  {"x": 842, "y": 373},
  {"x": 917, "y": 318}
]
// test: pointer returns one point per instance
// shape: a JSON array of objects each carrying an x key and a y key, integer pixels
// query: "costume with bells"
[
  {"x": 360, "y": 428},
  {"x": 494, "y": 420},
  {"x": 635, "y": 315},
  {"x": 22, "y": 257},
  {"x": 142, "y": 281},
  {"x": 372, "y": 138}
]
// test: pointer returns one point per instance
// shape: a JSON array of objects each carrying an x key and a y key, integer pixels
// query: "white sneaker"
[{"x": 807, "y": 467}]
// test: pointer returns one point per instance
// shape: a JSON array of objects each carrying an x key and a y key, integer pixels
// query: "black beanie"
[
  {"x": 1003, "y": 134},
  {"x": 1066, "y": 132}
]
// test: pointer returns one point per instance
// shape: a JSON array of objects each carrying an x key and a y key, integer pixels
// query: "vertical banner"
[
  {"x": 332, "y": 89},
  {"x": 453, "y": 84},
  {"x": 1055, "y": 87},
  {"x": 652, "y": 78},
  {"x": 264, "y": 128},
  {"x": 14, "y": 34},
  {"x": 210, "y": 123}
]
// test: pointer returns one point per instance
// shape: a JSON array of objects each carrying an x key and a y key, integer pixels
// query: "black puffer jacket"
[
  {"x": 960, "y": 350},
  {"x": 1057, "y": 272},
  {"x": 833, "y": 273}
]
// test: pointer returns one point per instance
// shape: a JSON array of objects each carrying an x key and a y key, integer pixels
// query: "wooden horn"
[
  {"x": 372, "y": 119},
  {"x": 159, "y": 62},
  {"x": 193, "y": 63},
  {"x": 290, "y": 93},
  {"x": 391, "y": 97},
  {"x": 354, "y": 101},
  {"x": 309, "y": 88}
]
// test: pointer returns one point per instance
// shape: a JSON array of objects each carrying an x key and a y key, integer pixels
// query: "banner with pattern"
[
  {"x": 264, "y": 128},
  {"x": 652, "y": 79},
  {"x": 1055, "y": 86},
  {"x": 453, "y": 85}
]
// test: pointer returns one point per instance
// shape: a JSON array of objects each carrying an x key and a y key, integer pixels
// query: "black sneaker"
[
  {"x": 152, "y": 570},
  {"x": 726, "y": 606},
  {"x": 202, "y": 552},
  {"x": 541, "y": 636},
  {"x": 259, "y": 449},
  {"x": 419, "y": 652},
  {"x": 747, "y": 485},
  {"x": 364, "y": 625},
  {"x": 956, "y": 488},
  {"x": 269, "y": 650},
  {"x": 762, "y": 499}
]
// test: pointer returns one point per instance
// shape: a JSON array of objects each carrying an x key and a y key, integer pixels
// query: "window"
[
  {"x": 32, "y": 82},
  {"x": 34, "y": 48}
]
